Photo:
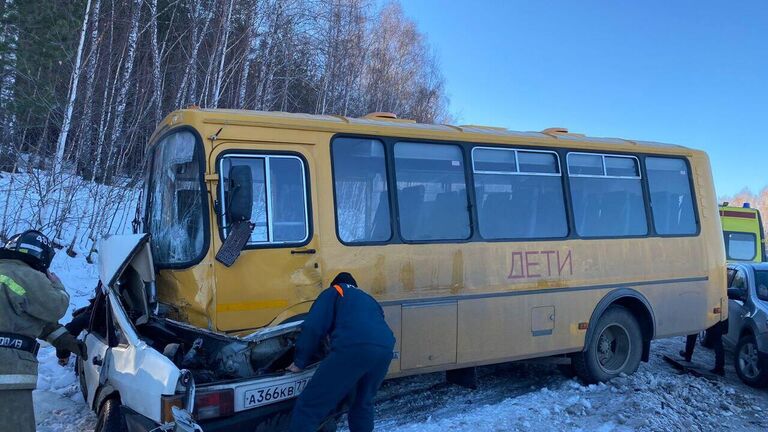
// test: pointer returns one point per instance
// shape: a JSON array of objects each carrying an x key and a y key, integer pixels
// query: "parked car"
[
  {"x": 145, "y": 371},
  {"x": 748, "y": 321}
]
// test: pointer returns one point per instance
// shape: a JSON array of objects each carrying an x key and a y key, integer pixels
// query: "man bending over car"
[{"x": 361, "y": 350}]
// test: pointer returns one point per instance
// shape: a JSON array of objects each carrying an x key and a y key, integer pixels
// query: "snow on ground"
[
  {"x": 518, "y": 396},
  {"x": 511, "y": 396}
]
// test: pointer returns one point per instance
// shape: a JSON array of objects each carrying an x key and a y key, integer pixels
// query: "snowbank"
[{"x": 656, "y": 398}]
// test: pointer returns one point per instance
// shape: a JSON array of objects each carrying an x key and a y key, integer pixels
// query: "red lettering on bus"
[
  {"x": 529, "y": 265},
  {"x": 512, "y": 274},
  {"x": 561, "y": 266},
  {"x": 549, "y": 264}
]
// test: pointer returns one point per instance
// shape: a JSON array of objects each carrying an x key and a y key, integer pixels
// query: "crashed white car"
[{"x": 144, "y": 371}]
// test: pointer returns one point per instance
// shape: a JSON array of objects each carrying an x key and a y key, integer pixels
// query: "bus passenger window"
[
  {"x": 519, "y": 194},
  {"x": 360, "y": 184},
  {"x": 607, "y": 195},
  {"x": 431, "y": 192},
  {"x": 671, "y": 197},
  {"x": 279, "y": 211}
]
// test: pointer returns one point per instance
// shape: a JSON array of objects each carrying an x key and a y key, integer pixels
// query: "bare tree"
[{"x": 67, "y": 122}]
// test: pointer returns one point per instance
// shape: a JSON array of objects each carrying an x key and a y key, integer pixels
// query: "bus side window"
[
  {"x": 607, "y": 195},
  {"x": 519, "y": 194},
  {"x": 671, "y": 197},
  {"x": 431, "y": 192},
  {"x": 360, "y": 186}
]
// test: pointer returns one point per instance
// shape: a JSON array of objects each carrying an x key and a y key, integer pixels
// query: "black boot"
[
  {"x": 685, "y": 356},
  {"x": 718, "y": 371}
]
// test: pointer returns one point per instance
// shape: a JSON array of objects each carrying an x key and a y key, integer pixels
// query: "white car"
[{"x": 144, "y": 371}]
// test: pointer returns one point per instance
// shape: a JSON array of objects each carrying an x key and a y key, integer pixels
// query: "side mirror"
[
  {"x": 239, "y": 202},
  {"x": 240, "y": 197},
  {"x": 735, "y": 294}
]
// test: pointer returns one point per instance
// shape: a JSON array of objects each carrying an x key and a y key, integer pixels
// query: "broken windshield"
[{"x": 174, "y": 202}]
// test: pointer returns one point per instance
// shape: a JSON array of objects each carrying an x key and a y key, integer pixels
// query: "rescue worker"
[
  {"x": 715, "y": 334},
  {"x": 32, "y": 300},
  {"x": 80, "y": 319},
  {"x": 361, "y": 345}
]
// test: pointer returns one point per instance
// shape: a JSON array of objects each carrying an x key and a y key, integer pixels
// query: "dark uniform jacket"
[
  {"x": 349, "y": 315},
  {"x": 30, "y": 305}
]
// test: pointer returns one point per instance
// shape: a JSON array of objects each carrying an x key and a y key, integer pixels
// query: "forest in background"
[{"x": 83, "y": 83}]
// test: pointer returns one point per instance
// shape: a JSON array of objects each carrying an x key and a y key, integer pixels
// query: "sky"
[{"x": 685, "y": 72}]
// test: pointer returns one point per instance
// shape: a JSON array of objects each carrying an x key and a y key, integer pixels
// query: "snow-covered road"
[
  {"x": 511, "y": 396},
  {"x": 537, "y": 397}
]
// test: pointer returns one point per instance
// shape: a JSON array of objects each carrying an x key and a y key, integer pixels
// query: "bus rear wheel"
[{"x": 615, "y": 348}]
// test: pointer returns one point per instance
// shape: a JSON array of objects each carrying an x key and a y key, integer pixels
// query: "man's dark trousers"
[
  {"x": 356, "y": 369},
  {"x": 715, "y": 334}
]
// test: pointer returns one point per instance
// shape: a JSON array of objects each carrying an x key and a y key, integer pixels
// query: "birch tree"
[
  {"x": 118, "y": 134},
  {"x": 157, "y": 90},
  {"x": 222, "y": 56},
  {"x": 67, "y": 121},
  {"x": 200, "y": 18}
]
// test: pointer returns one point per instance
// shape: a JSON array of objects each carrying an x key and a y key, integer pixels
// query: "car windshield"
[
  {"x": 761, "y": 284},
  {"x": 174, "y": 200}
]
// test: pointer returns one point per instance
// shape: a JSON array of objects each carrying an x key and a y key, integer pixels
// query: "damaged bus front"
[{"x": 143, "y": 368}]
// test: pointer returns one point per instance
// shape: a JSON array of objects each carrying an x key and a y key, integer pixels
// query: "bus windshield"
[{"x": 174, "y": 200}]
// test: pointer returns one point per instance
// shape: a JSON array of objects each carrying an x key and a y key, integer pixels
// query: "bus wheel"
[{"x": 615, "y": 348}]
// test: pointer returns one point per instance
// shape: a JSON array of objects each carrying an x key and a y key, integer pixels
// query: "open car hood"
[
  {"x": 116, "y": 253},
  {"x": 130, "y": 255}
]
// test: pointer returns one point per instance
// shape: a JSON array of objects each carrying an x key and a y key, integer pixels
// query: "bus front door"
[{"x": 278, "y": 267}]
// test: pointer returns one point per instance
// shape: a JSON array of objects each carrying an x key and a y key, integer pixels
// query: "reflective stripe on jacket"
[
  {"x": 18, "y": 382},
  {"x": 30, "y": 305}
]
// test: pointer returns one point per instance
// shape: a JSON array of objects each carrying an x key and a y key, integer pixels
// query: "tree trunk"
[
  {"x": 220, "y": 74},
  {"x": 66, "y": 123},
  {"x": 118, "y": 134},
  {"x": 157, "y": 88}
]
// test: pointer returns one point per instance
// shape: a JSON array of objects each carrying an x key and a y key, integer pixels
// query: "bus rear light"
[
  {"x": 583, "y": 325},
  {"x": 214, "y": 404},
  {"x": 717, "y": 310}
]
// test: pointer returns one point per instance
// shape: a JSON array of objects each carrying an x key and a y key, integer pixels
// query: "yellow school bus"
[
  {"x": 742, "y": 233},
  {"x": 483, "y": 245}
]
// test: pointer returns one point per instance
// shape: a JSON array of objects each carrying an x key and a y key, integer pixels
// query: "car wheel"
[
  {"x": 749, "y": 366},
  {"x": 111, "y": 417},
  {"x": 615, "y": 348}
]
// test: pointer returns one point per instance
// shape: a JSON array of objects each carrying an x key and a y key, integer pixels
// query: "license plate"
[{"x": 274, "y": 393}]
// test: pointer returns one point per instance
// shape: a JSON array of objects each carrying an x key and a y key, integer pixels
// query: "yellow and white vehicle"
[
  {"x": 483, "y": 245},
  {"x": 742, "y": 233}
]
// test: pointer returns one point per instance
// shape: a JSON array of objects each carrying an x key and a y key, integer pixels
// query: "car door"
[
  {"x": 736, "y": 308},
  {"x": 96, "y": 341}
]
